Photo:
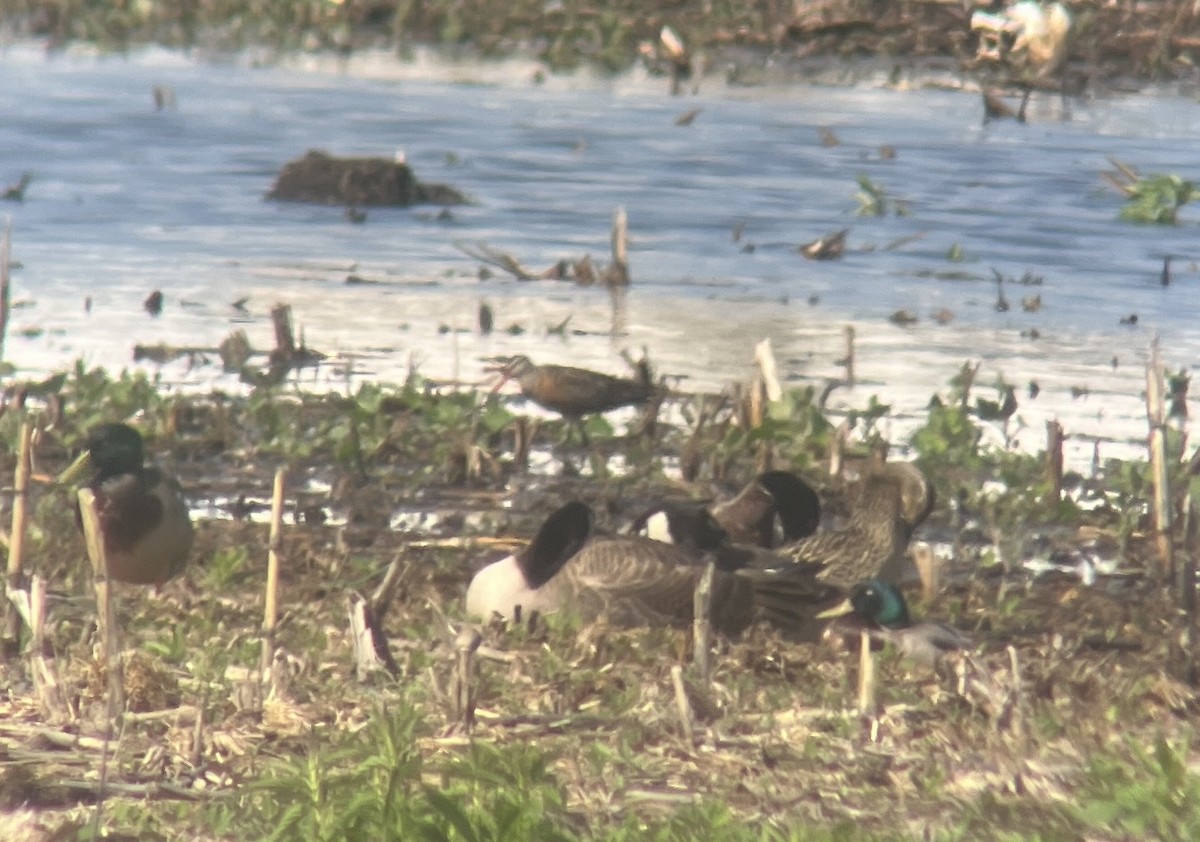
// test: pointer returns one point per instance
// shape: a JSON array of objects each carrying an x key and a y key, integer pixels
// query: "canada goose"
[
  {"x": 636, "y": 581},
  {"x": 143, "y": 517},
  {"x": 749, "y": 518}
]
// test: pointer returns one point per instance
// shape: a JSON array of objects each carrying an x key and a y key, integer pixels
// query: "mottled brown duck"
[{"x": 873, "y": 542}]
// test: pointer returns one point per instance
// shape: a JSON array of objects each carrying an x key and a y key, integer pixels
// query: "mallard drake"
[
  {"x": 892, "y": 499},
  {"x": 573, "y": 392},
  {"x": 143, "y": 517},
  {"x": 879, "y": 607},
  {"x": 635, "y": 581}
]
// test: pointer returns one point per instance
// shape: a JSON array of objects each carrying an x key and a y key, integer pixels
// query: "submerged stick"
[
  {"x": 1156, "y": 415},
  {"x": 618, "y": 272},
  {"x": 701, "y": 623},
  {"x": 271, "y": 603},
  {"x": 16, "y": 541},
  {"x": 848, "y": 360}
]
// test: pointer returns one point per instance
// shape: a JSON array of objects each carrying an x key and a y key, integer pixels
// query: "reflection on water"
[{"x": 127, "y": 199}]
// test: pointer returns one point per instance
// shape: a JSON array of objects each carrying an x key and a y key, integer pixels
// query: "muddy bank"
[{"x": 1109, "y": 42}]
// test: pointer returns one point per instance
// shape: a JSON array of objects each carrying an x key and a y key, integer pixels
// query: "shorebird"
[
  {"x": 633, "y": 581},
  {"x": 573, "y": 392},
  {"x": 143, "y": 517}
]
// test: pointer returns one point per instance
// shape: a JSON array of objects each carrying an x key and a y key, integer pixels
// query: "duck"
[
  {"x": 736, "y": 526},
  {"x": 573, "y": 392},
  {"x": 879, "y": 607},
  {"x": 144, "y": 519},
  {"x": 632, "y": 581},
  {"x": 891, "y": 501},
  {"x": 749, "y": 518}
]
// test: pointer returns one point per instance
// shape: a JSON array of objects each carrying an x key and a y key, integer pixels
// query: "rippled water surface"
[{"x": 127, "y": 199}]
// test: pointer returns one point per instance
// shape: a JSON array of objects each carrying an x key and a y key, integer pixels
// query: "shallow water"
[{"x": 127, "y": 199}]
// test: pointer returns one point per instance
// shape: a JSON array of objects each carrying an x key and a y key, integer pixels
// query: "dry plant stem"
[
  {"x": 764, "y": 358},
  {"x": 929, "y": 569},
  {"x": 682, "y": 704},
  {"x": 5, "y": 281},
  {"x": 701, "y": 624},
  {"x": 755, "y": 400},
  {"x": 465, "y": 644},
  {"x": 1054, "y": 459},
  {"x": 16, "y": 542},
  {"x": 106, "y": 622},
  {"x": 619, "y": 272},
  {"x": 1156, "y": 415},
  {"x": 110, "y": 642},
  {"x": 866, "y": 674},
  {"x": 47, "y": 687},
  {"x": 837, "y": 449},
  {"x": 849, "y": 359},
  {"x": 271, "y": 601},
  {"x": 1186, "y": 574}
]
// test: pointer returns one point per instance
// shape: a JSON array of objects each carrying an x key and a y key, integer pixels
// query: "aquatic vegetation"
[
  {"x": 1152, "y": 199},
  {"x": 873, "y": 199}
]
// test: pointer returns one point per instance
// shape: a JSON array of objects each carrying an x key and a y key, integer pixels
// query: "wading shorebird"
[{"x": 573, "y": 392}]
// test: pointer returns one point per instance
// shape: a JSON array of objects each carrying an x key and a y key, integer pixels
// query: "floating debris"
[
  {"x": 829, "y": 247},
  {"x": 154, "y": 303}
]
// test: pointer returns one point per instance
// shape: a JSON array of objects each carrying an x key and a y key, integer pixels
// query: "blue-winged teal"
[{"x": 143, "y": 517}]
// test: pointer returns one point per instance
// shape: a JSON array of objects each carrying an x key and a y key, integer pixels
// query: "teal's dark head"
[
  {"x": 880, "y": 602},
  {"x": 110, "y": 450}
]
